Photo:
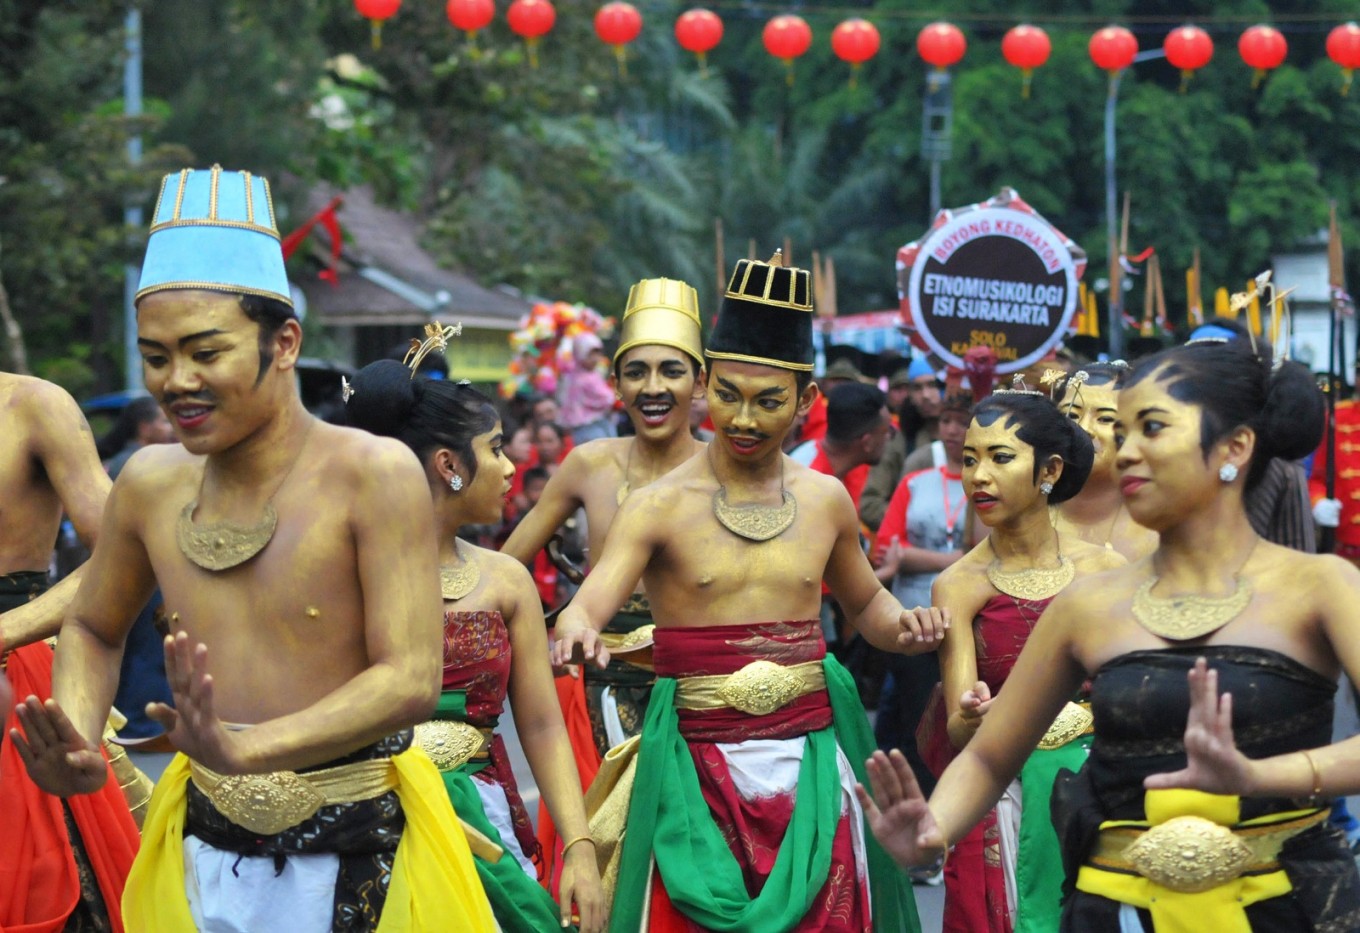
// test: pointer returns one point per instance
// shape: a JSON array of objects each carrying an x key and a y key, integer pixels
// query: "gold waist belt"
[
  {"x": 1190, "y": 854},
  {"x": 450, "y": 744},
  {"x": 758, "y": 689},
  {"x": 1074, "y": 721},
  {"x": 267, "y": 804}
]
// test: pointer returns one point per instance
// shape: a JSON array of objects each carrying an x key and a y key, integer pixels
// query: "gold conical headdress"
[{"x": 664, "y": 312}]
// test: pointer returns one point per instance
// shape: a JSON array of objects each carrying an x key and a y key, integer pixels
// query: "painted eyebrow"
[
  {"x": 773, "y": 390},
  {"x": 1149, "y": 411},
  {"x": 183, "y": 341}
]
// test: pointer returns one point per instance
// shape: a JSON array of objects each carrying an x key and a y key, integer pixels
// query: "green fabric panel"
[
  {"x": 670, "y": 820},
  {"x": 894, "y": 902},
  {"x": 520, "y": 903},
  {"x": 1039, "y": 868}
]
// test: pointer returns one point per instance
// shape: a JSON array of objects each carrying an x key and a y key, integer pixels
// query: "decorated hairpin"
[
  {"x": 1018, "y": 387},
  {"x": 1202, "y": 341},
  {"x": 346, "y": 390},
  {"x": 436, "y": 340},
  {"x": 1051, "y": 377}
]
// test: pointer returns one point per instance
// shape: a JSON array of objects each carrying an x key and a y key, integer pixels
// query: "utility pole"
[
  {"x": 132, "y": 212},
  {"x": 937, "y": 131}
]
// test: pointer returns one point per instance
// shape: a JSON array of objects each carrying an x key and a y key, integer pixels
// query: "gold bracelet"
[
  {"x": 1317, "y": 775},
  {"x": 567, "y": 848}
]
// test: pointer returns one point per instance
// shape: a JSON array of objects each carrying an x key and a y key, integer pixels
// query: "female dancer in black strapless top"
[{"x": 1201, "y": 423}]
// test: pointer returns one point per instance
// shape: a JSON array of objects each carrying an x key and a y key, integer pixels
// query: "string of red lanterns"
[{"x": 940, "y": 44}]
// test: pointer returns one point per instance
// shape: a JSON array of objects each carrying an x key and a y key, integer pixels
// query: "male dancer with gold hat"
[
  {"x": 298, "y": 566},
  {"x": 658, "y": 373},
  {"x": 742, "y": 814}
]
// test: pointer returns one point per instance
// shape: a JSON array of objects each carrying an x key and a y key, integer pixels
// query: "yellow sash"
[
  {"x": 1192, "y": 864},
  {"x": 434, "y": 883}
]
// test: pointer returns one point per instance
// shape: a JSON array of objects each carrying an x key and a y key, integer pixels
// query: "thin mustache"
[
  {"x": 204, "y": 397},
  {"x": 756, "y": 436},
  {"x": 644, "y": 399}
]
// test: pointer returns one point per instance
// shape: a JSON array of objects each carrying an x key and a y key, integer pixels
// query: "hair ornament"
[
  {"x": 1018, "y": 387},
  {"x": 1051, "y": 377},
  {"x": 464, "y": 382},
  {"x": 346, "y": 390},
  {"x": 1205, "y": 341},
  {"x": 436, "y": 340}
]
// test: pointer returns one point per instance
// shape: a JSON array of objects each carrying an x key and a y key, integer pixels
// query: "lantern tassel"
[
  {"x": 935, "y": 74},
  {"x": 703, "y": 64},
  {"x": 1257, "y": 78},
  {"x": 1026, "y": 75},
  {"x": 621, "y": 56},
  {"x": 532, "y": 43},
  {"x": 788, "y": 76},
  {"x": 1186, "y": 75},
  {"x": 854, "y": 75},
  {"x": 1346, "y": 74},
  {"x": 376, "y": 28}
]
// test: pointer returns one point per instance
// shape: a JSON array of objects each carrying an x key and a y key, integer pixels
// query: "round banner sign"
[{"x": 995, "y": 274}]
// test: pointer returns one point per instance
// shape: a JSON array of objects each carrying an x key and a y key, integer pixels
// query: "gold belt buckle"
[
  {"x": 760, "y": 688},
  {"x": 1073, "y": 721},
  {"x": 266, "y": 804},
  {"x": 1189, "y": 854},
  {"x": 449, "y": 743}
]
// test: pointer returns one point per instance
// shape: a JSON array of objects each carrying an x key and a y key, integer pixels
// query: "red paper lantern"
[
  {"x": 855, "y": 41},
  {"x": 699, "y": 31},
  {"x": 1188, "y": 48},
  {"x": 787, "y": 37},
  {"x": 1113, "y": 49},
  {"x": 617, "y": 24},
  {"x": 1026, "y": 47},
  {"x": 941, "y": 44},
  {"x": 470, "y": 15},
  {"x": 376, "y": 11},
  {"x": 1262, "y": 48},
  {"x": 531, "y": 20},
  {"x": 1343, "y": 47}
]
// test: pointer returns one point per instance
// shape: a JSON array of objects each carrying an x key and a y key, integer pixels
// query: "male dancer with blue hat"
[{"x": 299, "y": 572}]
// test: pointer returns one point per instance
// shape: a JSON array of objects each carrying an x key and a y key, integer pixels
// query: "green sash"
[
  {"x": 1039, "y": 867},
  {"x": 669, "y": 821},
  {"x": 520, "y": 903}
]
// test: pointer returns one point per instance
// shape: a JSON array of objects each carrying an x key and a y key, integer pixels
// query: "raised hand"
[
  {"x": 191, "y": 724},
  {"x": 897, "y": 813},
  {"x": 922, "y": 629},
  {"x": 57, "y": 757},
  {"x": 1213, "y": 763}
]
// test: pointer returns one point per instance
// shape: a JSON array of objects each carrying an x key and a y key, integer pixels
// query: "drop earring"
[
  {"x": 456, "y": 483},
  {"x": 1227, "y": 472},
  {"x": 1046, "y": 488}
]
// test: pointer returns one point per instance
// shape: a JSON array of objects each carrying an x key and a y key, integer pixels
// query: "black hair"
[
  {"x": 1097, "y": 374},
  {"x": 1049, "y": 432},
  {"x": 271, "y": 314},
  {"x": 535, "y": 473},
  {"x": 853, "y": 409},
  {"x": 1234, "y": 384},
  {"x": 424, "y": 414},
  {"x": 135, "y": 413},
  {"x": 556, "y": 428}
]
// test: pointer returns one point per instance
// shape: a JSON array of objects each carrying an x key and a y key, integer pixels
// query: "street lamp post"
[{"x": 132, "y": 212}]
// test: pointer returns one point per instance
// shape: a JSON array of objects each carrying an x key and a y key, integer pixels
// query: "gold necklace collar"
[
  {"x": 458, "y": 580},
  {"x": 754, "y": 522},
  {"x": 222, "y": 545},
  {"x": 1034, "y": 583},
  {"x": 1182, "y": 618}
]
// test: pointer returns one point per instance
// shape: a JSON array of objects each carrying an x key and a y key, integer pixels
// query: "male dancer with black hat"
[
  {"x": 741, "y": 815},
  {"x": 300, "y": 578}
]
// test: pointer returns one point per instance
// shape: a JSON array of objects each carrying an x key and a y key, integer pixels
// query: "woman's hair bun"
[
  {"x": 382, "y": 397},
  {"x": 1294, "y": 415},
  {"x": 1078, "y": 459}
]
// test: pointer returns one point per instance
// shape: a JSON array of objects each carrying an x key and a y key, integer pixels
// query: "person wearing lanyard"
[{"x": 921, "y": 534}]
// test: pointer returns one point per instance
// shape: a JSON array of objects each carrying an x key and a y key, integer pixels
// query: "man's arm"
[
  {"x": 65, "y": 447},
  {"x": 627, "y": 550},
  {"x": 40, "y": 618},
  {"x": 398, "y": 566},
  {"x": 560, "y": 498},
  {"x": 872, "y": 610}
]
